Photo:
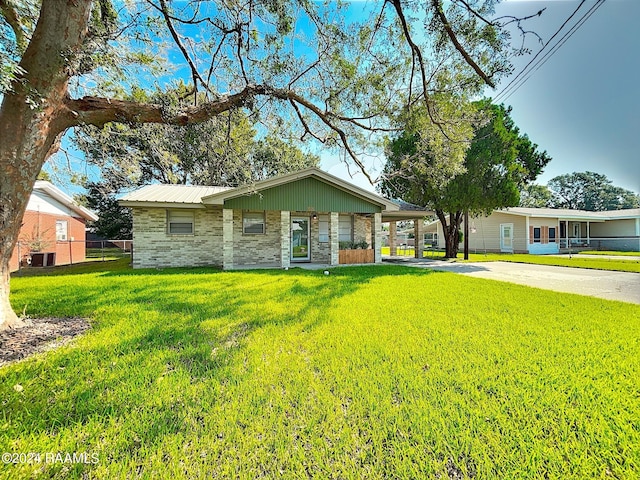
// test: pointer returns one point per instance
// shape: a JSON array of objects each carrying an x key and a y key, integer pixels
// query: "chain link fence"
[{"x": 69, "y": 252}]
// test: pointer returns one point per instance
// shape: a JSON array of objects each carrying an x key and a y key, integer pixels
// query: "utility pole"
[{"x": 466, "y": 234}]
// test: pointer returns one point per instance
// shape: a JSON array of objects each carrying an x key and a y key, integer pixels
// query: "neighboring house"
[
  {"x": 53, "y": 229},
  {"x": 305, "y": 216},
  {"x": 550, "y": 230}
]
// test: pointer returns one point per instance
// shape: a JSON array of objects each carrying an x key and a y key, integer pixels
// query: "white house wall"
[
  {"x": 41, "y": 202},
  {"x": 619, "y": 234},
  {"x": 614, "y": 228},
  {"x": 487, "y": 232}
]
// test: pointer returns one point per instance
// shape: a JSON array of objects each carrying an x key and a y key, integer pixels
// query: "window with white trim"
[
  {"x": 323, "y": 228},
  {"x": 253, "y": 222},
  {"x": 345, "y": 228},
  {"x": 62, "y": 230},
  {"x": 552, "y": 234},
  {"x": 180, "y": 222},
  {"x": 431, "y": 238}
]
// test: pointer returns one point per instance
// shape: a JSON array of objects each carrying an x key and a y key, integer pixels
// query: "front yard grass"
[
  {"x": 616, "y": 253},
  {"x": 376, "y": 372}
]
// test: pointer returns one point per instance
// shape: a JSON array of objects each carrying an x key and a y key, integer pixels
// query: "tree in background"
[
  {"x": 590, "y": 191},
  {"x": 69, "y": 63},
  {"x": 221, "y": 151},
  {"x": 114, "y": 222},
  {"x": 499, "y": 160},
  {"x": 536, "y": 196}
]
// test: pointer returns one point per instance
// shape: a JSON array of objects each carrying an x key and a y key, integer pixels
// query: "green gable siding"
[{"x": 304, "y": 195}]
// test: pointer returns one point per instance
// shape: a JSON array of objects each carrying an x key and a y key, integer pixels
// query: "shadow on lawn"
[{"x": 154, "y": 326}]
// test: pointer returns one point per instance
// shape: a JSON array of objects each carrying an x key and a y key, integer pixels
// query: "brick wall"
[
  {"x": 257, "y": 249},
  {"x": 154, "y": 247},
  {"x": 362, "y": 229},
  {"x": 43, "y": 225},
  {"x": 320, "y": 252}
]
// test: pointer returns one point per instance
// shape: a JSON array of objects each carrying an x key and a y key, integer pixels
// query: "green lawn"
[
  {"x": 370, "y": 372},
  {"x": 106, "y": 253},
  {"x": 575, "y": 261},
  {"x": 610, "y": 252}
]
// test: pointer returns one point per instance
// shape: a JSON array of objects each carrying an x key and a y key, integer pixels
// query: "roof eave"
[
  {"x": 58, "y": 195},
  {"x": 150, "y": 204}
]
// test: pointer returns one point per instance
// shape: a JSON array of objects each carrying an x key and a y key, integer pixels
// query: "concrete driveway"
[{"x": 622, "y": 286}]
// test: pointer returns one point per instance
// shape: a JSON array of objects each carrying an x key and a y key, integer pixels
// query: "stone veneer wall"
[
  {"x": 362, "y": 229},
  {"x": 319, "y": 251},
  {"x": 257, "y": 249},
  {"x": 154, "y": 247}
]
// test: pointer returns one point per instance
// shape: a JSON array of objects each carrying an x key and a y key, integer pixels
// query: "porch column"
[
  {"x": 376, "y": 233},
  {"x": 227, "y": 238},
  {"x": 418, "y": 237},
  {"x": 393, "y": 232},
  {"x": 333, "y": 238},
  {"x": 285, "y": 238},
  {"x": 588, "y": 234}
]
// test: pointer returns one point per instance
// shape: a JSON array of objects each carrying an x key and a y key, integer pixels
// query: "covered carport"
[{"x": 406, "y": 212}]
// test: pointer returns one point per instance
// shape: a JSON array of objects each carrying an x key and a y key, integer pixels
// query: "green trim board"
[{"x": 304, "y": 195}]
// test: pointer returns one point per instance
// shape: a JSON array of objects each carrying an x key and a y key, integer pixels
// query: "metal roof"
[
  {"x": 627, "y": 213},
  {"x": 185, "y": 194},
  {"x": 571, "y": 213}
]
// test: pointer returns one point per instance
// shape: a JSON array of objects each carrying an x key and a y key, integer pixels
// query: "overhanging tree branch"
[
  {"x": 437, "y": 6},
  {"x": 99, "y": 111},
  {"x": 176, "y": 38},
  {"x": 10, "y": 14}
]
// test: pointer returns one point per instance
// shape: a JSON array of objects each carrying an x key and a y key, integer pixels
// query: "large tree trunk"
[
  {"x": 33, "y": 117},
  {"x": 450, "y": 230}
]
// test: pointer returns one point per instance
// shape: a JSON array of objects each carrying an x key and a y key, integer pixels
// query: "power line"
[
  {"x": 541, "y": 50},
  {"x": 517, "y": 81},
  {"x": 560, "y": 43}
]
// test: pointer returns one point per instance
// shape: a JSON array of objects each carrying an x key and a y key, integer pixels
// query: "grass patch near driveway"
[
  {"x": 575, "y": 261},
  {"x": 616, "y": 253},
  {"x": 378, "y": 372}
]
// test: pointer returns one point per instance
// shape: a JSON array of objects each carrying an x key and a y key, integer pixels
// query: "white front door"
[
  {"x": 506, "y": 237},
  {"x": 576, "y": 231},
  {"x": 300, "y": 245}
]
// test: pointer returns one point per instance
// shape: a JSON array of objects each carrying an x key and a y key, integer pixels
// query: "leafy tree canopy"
[
  {"x": 590, "y": 191},
  {"x": 535, "y": 196},
  {"x": 222, "y": 151},
  {"x": 498, "y": 161}
]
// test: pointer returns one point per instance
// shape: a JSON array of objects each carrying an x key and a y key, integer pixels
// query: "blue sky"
[{"x": 583, "y": 105}]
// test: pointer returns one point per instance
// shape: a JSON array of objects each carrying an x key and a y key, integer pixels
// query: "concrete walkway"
[{"x": 622, "y": 286}]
